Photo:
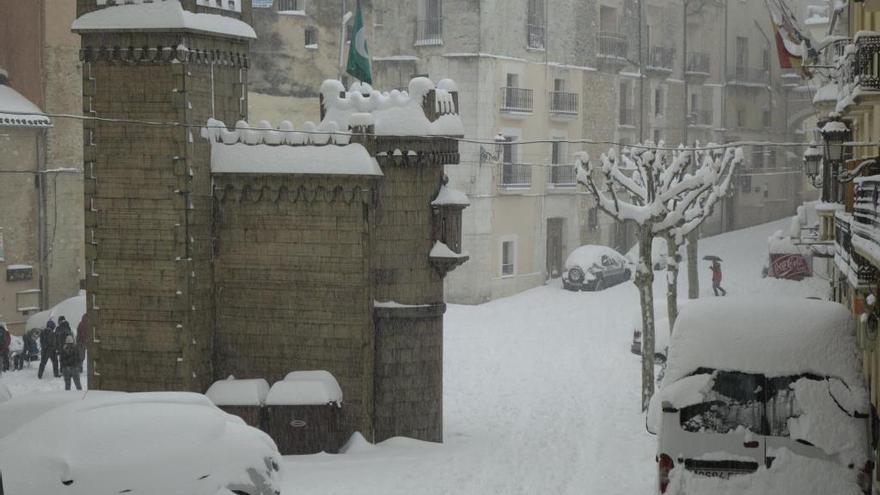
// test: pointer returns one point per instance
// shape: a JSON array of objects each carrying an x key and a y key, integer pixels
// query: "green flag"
[{"x": 358, "y": 56}]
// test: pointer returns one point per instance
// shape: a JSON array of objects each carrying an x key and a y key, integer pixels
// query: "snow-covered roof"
[
  {"x": 450, "y": 196},
  {"x": 441, "y": 250},
  {"x": 835, "y": 126},
  {"x": 588, "y": 255},
  {"x": 18, "y": 111},
  {"x": 305, "y": 388},
  {"x": 773, "y": 336},
  {"x": 160, "y": 15},
  {"x": 232, "y": 392},
  {"x": 267, "y": 150},
  {"x": 398, "y": 113}
]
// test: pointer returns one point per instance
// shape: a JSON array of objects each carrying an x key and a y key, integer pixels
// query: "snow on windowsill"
[
  {"x": 291, "y": 12},
  {"x": 313, "y": 46},
  {"x": 397, "y": 305},
  {"x": 19, "y": 267}
]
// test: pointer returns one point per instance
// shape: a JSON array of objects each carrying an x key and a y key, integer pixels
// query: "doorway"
[{"x": 555, "y": 247}]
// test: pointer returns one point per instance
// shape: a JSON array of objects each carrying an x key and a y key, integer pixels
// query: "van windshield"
[{"x": 749, "y": 401}]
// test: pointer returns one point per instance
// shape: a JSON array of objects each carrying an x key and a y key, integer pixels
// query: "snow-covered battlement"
[
  {"x": 267, "y": 150},
  {"x": 425, "y": 109},
  {"x": 160, "y": 15}
]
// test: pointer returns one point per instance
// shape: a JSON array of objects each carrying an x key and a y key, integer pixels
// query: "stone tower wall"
[
  {"x": 149, "y": 203},
  {"x": 292, "y": 282}
]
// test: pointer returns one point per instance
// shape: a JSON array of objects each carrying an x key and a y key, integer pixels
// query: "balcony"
[
  {"x": 700, "y": 118},
  {"x": 516, "y": 176},
  {"x": 627, "y": 116},
  {"x": 535, "y": 36},
  {"x": 867, "y": 62},
  {"x": 517, "y": 100},
  {"x": 429, "y": 32},
  {"x": 698, "y": 67},
  {"x": 562, "y": 176},
  {"x": 866, "y": 219},
  {"x": 613, "y": 48},
  {"x": 563, "y": 104},
  {"x": 847, "y": 253},
  {"x": 660, "y": 61},
  {"x": 749, "y": 77}
]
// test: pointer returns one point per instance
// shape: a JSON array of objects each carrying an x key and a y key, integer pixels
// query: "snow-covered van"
[{"x": 762, "y": 396}]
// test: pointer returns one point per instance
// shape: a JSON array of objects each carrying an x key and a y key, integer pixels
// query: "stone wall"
[
  {"x": 292, "y": 285},
  {"x": 148, "y": 207}
]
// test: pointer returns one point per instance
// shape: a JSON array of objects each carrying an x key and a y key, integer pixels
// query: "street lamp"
[
  {"x": 836, "y": 133},
  {"x": 812, "y": 162}
]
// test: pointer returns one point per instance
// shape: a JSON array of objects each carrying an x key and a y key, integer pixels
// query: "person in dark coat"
[
  {"x": 716, "y": 278},
  {"x": 29, "y": 351},
  {"x": 71, "y": 363},
  {"x": 82, "y": 334},
  {"x": 5, "y": 341},
  {"x": 47, "y": 350},
  {"x": 61, "y": 333}
]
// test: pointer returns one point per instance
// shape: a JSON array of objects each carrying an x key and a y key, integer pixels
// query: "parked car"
[
  {"x": 762, "y": 396},
  {"x": 593, "y": 267},
  {"x": 659, "y": 254},
  {"x": 114, "y": 442}
]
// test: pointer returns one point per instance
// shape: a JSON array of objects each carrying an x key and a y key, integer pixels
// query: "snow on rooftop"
[
  {"x": 398, "y": 113},
  {"x": 160, "y": 15},
  {"x": 305, "y": 388},
  {"x": 450, "y": 196},
  {"x": 265, "y": 150},
  {"x": 441, "y": 250},
  {"x": 835, "y": 126},
  {"x": 773, "y": 336},
  {"x": 18, "y": 111},
  {"x": 232, "y": 392}
]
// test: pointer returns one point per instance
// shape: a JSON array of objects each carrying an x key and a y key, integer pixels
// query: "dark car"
[{"x": 593, "y": 267}]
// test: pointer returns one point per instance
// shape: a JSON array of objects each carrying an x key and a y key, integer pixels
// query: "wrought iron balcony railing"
[
  {"x": 698, "y": 63},
  {"x": 749, "y": 76},
  {"x": 516, "y": 175},
  {"x": 563, "y": 103},
  {"x": 849, "y": 238},
  {"x": 612, "y": 45},
  {"x": 429, "y": 31},
  {"x": 535, "y": 36},
  {"x": 661, "y": 58},
  {"x": 868, "y": 61},
  {"x": 517, "y": 99},
  {"x": 562, "y": 175}
]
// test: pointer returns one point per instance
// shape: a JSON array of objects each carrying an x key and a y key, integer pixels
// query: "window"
[
  {"x": 742, "y": 52},
  {"x": 657, "y": 136},
  {"x": 512, "y": 80},
  {"x": 695, "y": 103},
  {"x": 766, "y": 118},
  {"x": 508, "y": 150},
  {"x": 559, "y": 85},
  {"x": 557, "y": 152},
  {"x": 608, "y": 19},
  {"x": 758, "y": 157},
  {"x": 625, "y": 110},
  {"x": 508, "y": 255},
  {"x": 311, "y": 37},
  {"x": 658, "y": 101},
  {"x": 2, "y": 249},
  {"x": 535, "y": 24},
  {"x": 290, "y": 5},
  {"x": 765, "y": 59},
  {"x": 740, "y": 117}
]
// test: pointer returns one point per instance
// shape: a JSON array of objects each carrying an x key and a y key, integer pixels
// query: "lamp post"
[
  {"x": 835, "y": 133},
  {"x": 812, "y": 162}
]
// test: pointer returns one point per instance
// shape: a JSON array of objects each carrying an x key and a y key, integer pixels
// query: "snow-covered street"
[{"x": 541, "y": 394}]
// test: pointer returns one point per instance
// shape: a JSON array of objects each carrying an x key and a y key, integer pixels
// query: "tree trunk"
[
  {"x": 693, "y": 255},
  {"x": 671, "y": 280},
  {"x": 644, "y": 280}
]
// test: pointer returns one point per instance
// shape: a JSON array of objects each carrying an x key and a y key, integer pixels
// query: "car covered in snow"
[
  {"x": 762, "y": 396},
  {"x": 592, "y": 267},
  {"x": 114, "y": 442}
]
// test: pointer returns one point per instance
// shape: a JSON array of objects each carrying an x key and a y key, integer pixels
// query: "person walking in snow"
[
  {"x": 47, "y": 350},
  {"x": 5, "y": 341},
  {"x": 29, "y": 350},
  {"x": 716, "y": 278},
  {"x": 71, "y": 363},
  {"x": 61, "y": 333}
]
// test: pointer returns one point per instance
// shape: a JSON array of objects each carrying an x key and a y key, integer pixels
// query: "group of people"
[{"x": 57, "y": 343}]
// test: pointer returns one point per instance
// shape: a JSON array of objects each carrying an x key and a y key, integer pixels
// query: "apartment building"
[{"x": 40, "y": 57}]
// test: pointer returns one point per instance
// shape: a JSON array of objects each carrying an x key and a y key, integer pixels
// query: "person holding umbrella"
[{"x": 716, "y": 275}]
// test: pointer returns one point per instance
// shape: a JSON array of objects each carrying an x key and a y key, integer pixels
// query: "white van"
[{"x": 762, "y": 396}]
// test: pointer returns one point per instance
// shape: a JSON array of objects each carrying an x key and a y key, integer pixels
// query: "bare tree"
[{"x": 654, "y": 188}]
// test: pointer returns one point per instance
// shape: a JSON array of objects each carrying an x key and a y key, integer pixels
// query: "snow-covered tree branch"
[{"x": 666, "y": 193}]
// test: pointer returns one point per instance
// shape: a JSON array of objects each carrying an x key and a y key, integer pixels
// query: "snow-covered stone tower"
[{"x": 253, "y": 251}]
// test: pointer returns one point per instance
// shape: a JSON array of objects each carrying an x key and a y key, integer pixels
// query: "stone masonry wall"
[
  {"x": 292, "y": 282},
  {"x": 148, "y": 207}
]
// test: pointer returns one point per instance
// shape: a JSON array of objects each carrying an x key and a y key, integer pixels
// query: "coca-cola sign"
[{"x": 789, "y": 266}]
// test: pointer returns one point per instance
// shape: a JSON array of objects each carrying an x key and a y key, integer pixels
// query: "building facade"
[
  {"x": 256, "y": 251},
  {"x": 40, "y": 56},
  {"x": 576, "y": 76}
]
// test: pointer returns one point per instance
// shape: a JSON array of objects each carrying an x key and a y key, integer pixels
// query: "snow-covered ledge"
[{"x": 444, "y": 260}]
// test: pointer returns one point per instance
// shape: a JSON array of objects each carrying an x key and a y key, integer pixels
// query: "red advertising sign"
[{"x": 789, "y": 266}]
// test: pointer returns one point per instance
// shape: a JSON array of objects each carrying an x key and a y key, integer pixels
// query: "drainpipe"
[{"x": 42, "y": 222}]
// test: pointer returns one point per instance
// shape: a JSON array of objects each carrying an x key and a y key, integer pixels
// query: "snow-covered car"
[
  {"x": 594, "y": 267},
  {"x": 659, "y": 254},
  {"x": 113, "y": 442},
  {"x": 762, "y": 396}
]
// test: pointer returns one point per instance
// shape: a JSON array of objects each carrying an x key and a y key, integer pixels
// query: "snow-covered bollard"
[
  {"x": 242, "y": 398},
  {"x": 303, "y": 413}
]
